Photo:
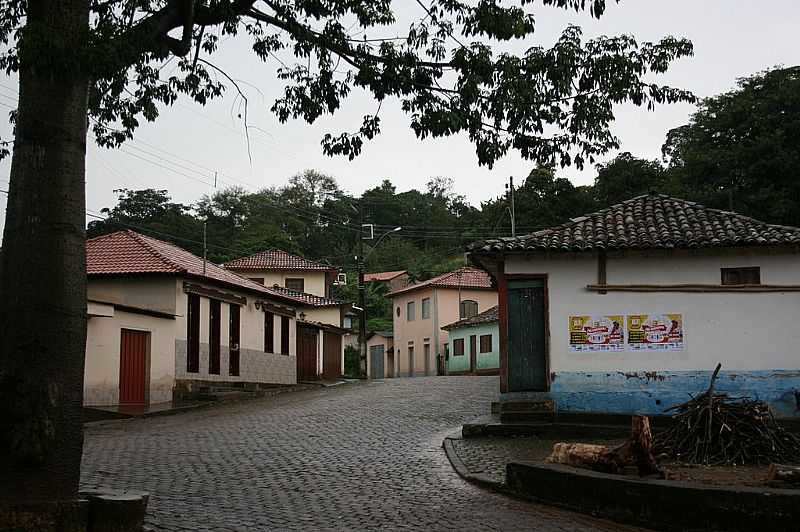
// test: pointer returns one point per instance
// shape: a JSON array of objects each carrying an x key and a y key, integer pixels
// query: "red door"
[
  {"x": 133, "y": 367},
  {"x": 331, "y": 355},
  {"x": 306, "y": 353}
]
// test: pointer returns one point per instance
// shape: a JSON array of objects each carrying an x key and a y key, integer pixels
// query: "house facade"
[
  {"x": 276, "y": 267},
  {"x": 380, "y": 360},
  {"x": 473, "y": 345},
  {"x": 630, "y": 309},
  {"x": 162, "y": 324},
  {"x": 419, "y": 311}
]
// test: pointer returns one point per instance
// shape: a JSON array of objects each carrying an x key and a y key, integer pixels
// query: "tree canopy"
[{"x": 549, "y": 103}]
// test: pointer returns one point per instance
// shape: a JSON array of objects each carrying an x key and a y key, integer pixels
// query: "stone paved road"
[{"x": 352, "y": 457}]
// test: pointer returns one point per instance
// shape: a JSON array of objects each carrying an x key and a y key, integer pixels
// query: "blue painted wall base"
[{"x": 652, "y": 392}]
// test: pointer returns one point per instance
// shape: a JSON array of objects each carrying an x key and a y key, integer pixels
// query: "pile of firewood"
[{"x": 715, "y": 429}]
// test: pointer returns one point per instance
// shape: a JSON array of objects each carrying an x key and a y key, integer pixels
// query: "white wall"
[
  {"x": 743, "y": 331},
  {"x": 101, "y": 374},
  {"x": 314, "y": 282}
]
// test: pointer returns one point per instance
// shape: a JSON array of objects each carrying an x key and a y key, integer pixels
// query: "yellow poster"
[
  {"x": 596, "y": 333},
  {"x": 655, "y": 332}
]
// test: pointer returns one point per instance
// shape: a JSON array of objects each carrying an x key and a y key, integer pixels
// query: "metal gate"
[
  {"x": 306, "y": 353},
  {"x": 376, "y": 361},
  {"x": 331, "y": 355},
  {"x": 133, "y": 367}
]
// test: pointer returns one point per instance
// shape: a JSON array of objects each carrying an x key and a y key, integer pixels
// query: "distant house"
[
  {"x": 275, "y": 267},
  {"x": 163, "y": 323},
  {"x": 474, "y": 345},
  {"x": 393, "y": 280},
  {"x": 380, "y": 362},
  {"x": 630, "y": 309},
  {"x": 420, "y": 310}
]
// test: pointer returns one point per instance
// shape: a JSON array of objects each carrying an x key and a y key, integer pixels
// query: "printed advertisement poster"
[
  {"x": 596, "y": 333},
  {"x": 655, "y": 332}
]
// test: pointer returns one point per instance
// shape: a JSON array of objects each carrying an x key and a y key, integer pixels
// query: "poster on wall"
[
  {"x": 596, "y": 333},
  {"x": 655, "y": 332}
]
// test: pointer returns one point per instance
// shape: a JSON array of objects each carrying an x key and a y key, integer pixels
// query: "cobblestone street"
[{"x": 356, "y": 456}]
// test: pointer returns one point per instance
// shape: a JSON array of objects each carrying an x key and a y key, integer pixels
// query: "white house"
[
  {"x": 630, "y": 309},
  {"x": 164, "y": 323}
]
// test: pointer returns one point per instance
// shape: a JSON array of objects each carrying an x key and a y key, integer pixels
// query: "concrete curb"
[
  {"x": 462, "y": 470},
  {"x": 660, "y": 504}
]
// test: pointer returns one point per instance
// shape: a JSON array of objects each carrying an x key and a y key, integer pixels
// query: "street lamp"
[{"x": 362, "y": 333}]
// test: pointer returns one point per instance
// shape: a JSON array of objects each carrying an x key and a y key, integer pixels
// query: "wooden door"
[
  {"x": 331, "y": 355},
  {"x": 376, "y": 361},
  {"x": 215, "y": 320},
  {"x": 306, "y": 353},
  {"x": 233, "y": 341},
  {"x": 426, "y": 351},
  {"x": 527, "y": 358},
  {"x": 134, "y": 346},
  {"x": 390, "y": 362},
  {"x": 473, "y": 353},
  {"x": 411, "y": 361}
]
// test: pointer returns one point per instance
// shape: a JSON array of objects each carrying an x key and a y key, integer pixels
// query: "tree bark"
[{"x": 43, "y": 282}]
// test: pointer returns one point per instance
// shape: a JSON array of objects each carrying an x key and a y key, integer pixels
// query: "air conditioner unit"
[{"x": 341, "y": 279}]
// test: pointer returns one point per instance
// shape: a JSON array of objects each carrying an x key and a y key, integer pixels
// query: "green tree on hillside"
[
  {"x": 626, "y": 176},
  {"x": 742, "y": 148}
]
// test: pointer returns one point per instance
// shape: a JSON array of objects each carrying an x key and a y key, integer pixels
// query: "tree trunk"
[{"x": 43, "y": 283}]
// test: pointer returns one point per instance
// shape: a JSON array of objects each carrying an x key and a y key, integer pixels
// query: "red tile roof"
[
  {"x": 305, "y": 299},
  {"x": 275, "y": 259},
  {"x": 382, "y": 276},
  {"x": 487, "y": 316},
  {"x": 128, "y": 252},
  {"x": 651, "y": 221},
  {"x": 466, "y": 277}
]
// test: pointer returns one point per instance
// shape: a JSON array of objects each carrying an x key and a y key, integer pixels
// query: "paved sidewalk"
[{"x": 363, "y": 456}]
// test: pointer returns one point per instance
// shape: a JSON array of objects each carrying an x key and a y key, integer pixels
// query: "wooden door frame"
[
  {"x": 148, "y": 349},
  {"x": 502, "y": 286}
]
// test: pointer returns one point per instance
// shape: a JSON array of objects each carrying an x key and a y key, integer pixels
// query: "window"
[
  {"x": 469, "y": 308},
  {"x": 426, "y": 308},
  {"x": 486, "y": 343},
  {"x": 193, "y": 334},
  {"x": 259, "y": 280},
  {"x": 458, "y": 347},
  {"x": 732, "y": 276},
  {"x": 269, "y": 332},
  {"x": 297, "y": 284},
  {"x": 214, "y": 320},
  {"x": 284, "y": 335},
  {"x": 410, "y": 311}
]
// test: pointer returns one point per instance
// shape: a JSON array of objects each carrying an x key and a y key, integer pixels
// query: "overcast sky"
[{"x": 183, "y": 149}]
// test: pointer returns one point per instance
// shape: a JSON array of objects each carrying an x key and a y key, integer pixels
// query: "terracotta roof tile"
[
  {"x": 382, "y": 276},
  {"x": 467, "y": 277},
  {"x": 306, "y": 299},
  {"x": 276, "y": 259},
  {"x": 487, "y": 316},
  {"x": 652, "y": 221},
  {"x": 128, "y": 252}
]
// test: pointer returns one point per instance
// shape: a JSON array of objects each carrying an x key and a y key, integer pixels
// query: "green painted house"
[{"x": 473, "y": 345}]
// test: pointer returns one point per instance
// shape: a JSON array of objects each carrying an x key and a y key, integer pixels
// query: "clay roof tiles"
[
  {"x": 487, "y": 316},
  {"x": 276, "y": 259},
  {"x": 382, "y": 276},
  {"x": 652, "y": 221},
  {"x": 129, "y": 252},
  {"x": 466, "y": 277},
  {"x": 306, "y": 299}
]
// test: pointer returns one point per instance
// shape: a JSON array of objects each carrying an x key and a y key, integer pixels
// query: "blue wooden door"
[{"x": 527, "y": 363}]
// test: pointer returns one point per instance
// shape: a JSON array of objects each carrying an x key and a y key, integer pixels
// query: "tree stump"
[{"x": 636, "y": 451}]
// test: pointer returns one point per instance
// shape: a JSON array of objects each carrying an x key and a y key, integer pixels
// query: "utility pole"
[
  {"x": 362, "y": 299},
  {"x": 512, "y": 209},
  {"x": 205, "y": 247}
]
